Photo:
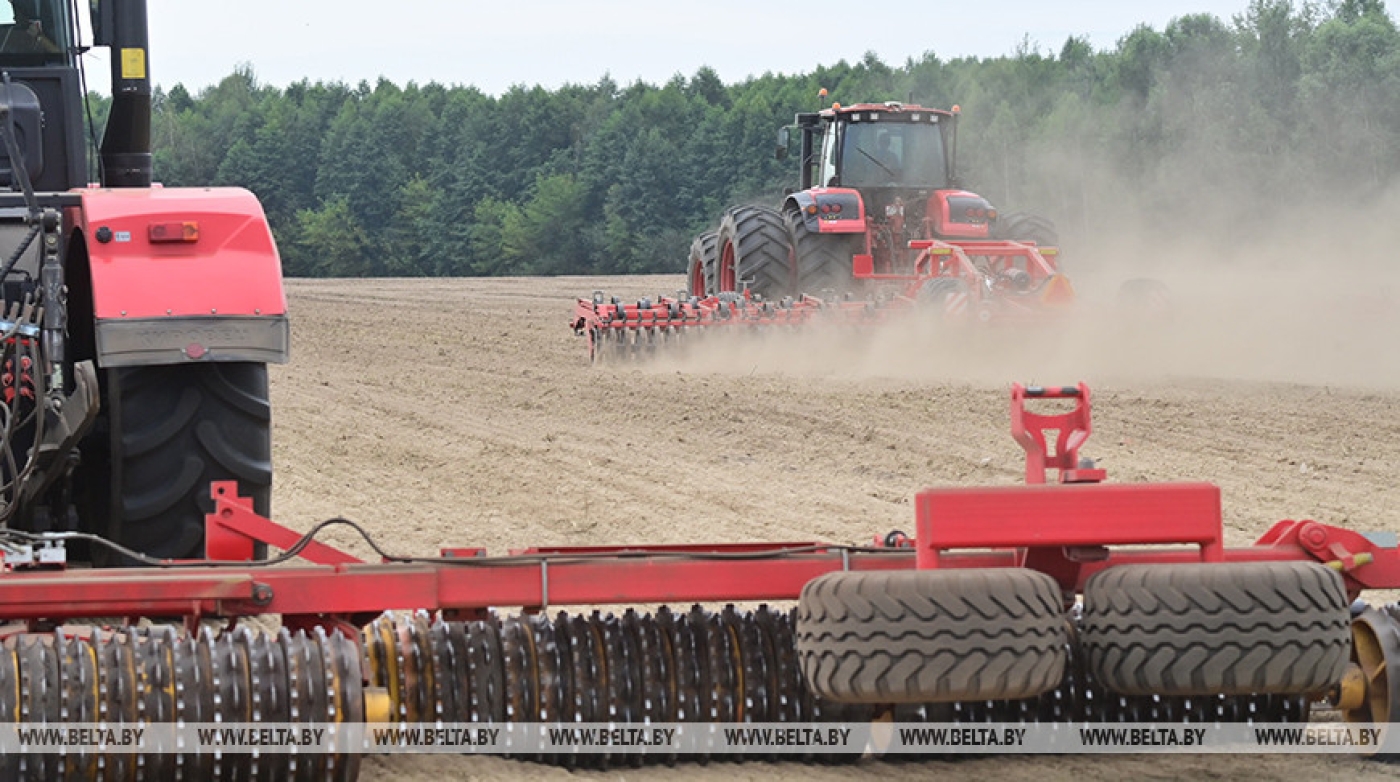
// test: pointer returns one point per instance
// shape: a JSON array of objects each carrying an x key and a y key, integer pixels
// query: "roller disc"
[
  {"x": 521, "y": 686},
  {"x": 344, "y": 697},
  {"x": 386, "y": 663},
  {"x": 153, "y": 653},
  {"x": 306, "y": 699},
  {"x": 78, "y": 677},
  {"x": 118, "y": 699},
  {"x": 487, "y": 671},
  {"x": 415, "y": 669},
  {"x": 573, "y": 706},
  {"x": 194, "y": 701},
  {"x": 686, "y": 678},
  {"x": 268, "y": 697},
  {"x": 457, "y": 682},
  {"x": 785, "y": 676},
  {"x": 656, "y": 682},
  {"x": 9, "y": 704},
  {"x": 448, "y": 671},
  {"x": 40, "y": 701}
]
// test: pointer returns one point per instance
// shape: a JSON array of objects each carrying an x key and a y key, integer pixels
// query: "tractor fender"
[
  {"x": 958, "y": 214},
  {"x": 180, "y": 275},
  {"x": 829, "y": 210}
]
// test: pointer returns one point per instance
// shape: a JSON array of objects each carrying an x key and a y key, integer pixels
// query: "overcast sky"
[{"x": 501, "y": 43}]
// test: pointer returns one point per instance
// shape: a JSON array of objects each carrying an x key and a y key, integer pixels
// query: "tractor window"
[
  {"x": 829, "y": 144},
  {"x": 892, "y": 154},
  {"x": 34, "y": 30}
]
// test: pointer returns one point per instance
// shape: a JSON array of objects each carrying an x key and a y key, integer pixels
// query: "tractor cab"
[
  {"x": 35, "y": 31},
  {"x": 882, "y": 148},
  {"x": 886, "y": 170}
]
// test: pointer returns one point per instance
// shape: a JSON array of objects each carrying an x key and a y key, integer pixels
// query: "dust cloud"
[{"x": 1288, "y": 301}]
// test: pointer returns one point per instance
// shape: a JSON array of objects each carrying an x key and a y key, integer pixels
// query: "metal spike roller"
[
  {"x": 40, "y": 701},
  {"x": 10, "y": 685},
  {"x": 268, "y": 697},
  {"x": 77, "y": 661},
  {"x": 192, "y": 673}
]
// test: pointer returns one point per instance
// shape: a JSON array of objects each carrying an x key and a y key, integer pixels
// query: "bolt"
[
  {"x": 262, "y": 594},
  {"x": 1312, "y": 536}
]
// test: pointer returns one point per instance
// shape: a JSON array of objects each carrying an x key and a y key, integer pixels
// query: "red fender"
[{"x": 182, "y": 274}]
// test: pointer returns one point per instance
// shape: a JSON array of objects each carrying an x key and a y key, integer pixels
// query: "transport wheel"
[
  {"x": 701, "y": 273},
  {"x": 1375, "y": 653},
  {"x": 932, "y": 635},
  {"x": 753, "y": 248},
  {"x": 1026, "y": 227},
  {"x": 823, "y": 261},
  {"x": 1208, "y": 629},
  {"x": 173, "y": 430}
]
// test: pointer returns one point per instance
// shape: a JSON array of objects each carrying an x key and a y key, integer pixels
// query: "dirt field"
[{"x": 463, "y": 412}]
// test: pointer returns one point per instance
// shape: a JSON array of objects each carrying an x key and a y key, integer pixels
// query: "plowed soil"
[{"x": 464, "y": 412}]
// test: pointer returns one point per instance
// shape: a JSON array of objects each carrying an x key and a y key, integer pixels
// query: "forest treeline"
[{"x": 1209, "y": 123}]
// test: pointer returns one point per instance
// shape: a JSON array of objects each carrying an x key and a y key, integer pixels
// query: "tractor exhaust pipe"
[{"x": 126, "y": 141}]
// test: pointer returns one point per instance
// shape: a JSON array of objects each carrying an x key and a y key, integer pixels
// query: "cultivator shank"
[{"x": 1076, "y": 602}]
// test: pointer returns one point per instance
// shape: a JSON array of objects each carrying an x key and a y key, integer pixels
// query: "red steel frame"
[{"x": 1064, "y": 530}]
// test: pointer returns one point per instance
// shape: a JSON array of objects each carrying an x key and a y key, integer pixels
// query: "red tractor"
[
  {"x": 880, "y": 207},
  {"x": 138, "y": 320}
]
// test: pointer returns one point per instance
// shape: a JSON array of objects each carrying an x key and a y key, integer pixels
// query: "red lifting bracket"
[{"x": 1073, "y": 429}]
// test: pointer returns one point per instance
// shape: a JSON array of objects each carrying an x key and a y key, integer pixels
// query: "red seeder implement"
[{"x": 1072, "y": 599}]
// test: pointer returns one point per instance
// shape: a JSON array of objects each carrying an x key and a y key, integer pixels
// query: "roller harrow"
[{"x": 1083, "y": 602}]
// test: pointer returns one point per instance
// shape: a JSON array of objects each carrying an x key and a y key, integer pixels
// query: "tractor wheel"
[
  {"x": 703, "y": 252},
  {"x": 932, "y": 635},
  {"x": 823, "y": 261},
  {"x": 1026, "y": 227},
  {"x": 173, "y": 430},
  {"x": 753, "y": 248},
  {"x": 1208, "y": 629}
]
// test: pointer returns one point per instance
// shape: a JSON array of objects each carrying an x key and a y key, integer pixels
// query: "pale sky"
[{"x": 495, "y": 45}]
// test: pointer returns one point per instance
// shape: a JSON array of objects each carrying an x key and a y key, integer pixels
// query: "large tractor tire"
[
  {"x": 704, "y": 252},
  {"x": 1209, "y": 629},
  {"x": 173, "y": 430},
  {"x": 823, "y": 261},
  {"x": 753, "y": 248},
  {"x": 1026, "y": 227},
  {"x": 932, "y": 635}
]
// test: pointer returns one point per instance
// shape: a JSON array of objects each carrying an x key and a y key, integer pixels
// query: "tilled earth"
[{"x": 464, "y": 412}]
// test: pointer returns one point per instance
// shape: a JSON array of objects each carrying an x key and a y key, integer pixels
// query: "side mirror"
[{"x": 784, "y": 142}]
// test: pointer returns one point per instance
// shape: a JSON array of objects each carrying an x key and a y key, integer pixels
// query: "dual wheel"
[
  {"x": 973, "y": 635},
  {"x": 771, "y": 255}
]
